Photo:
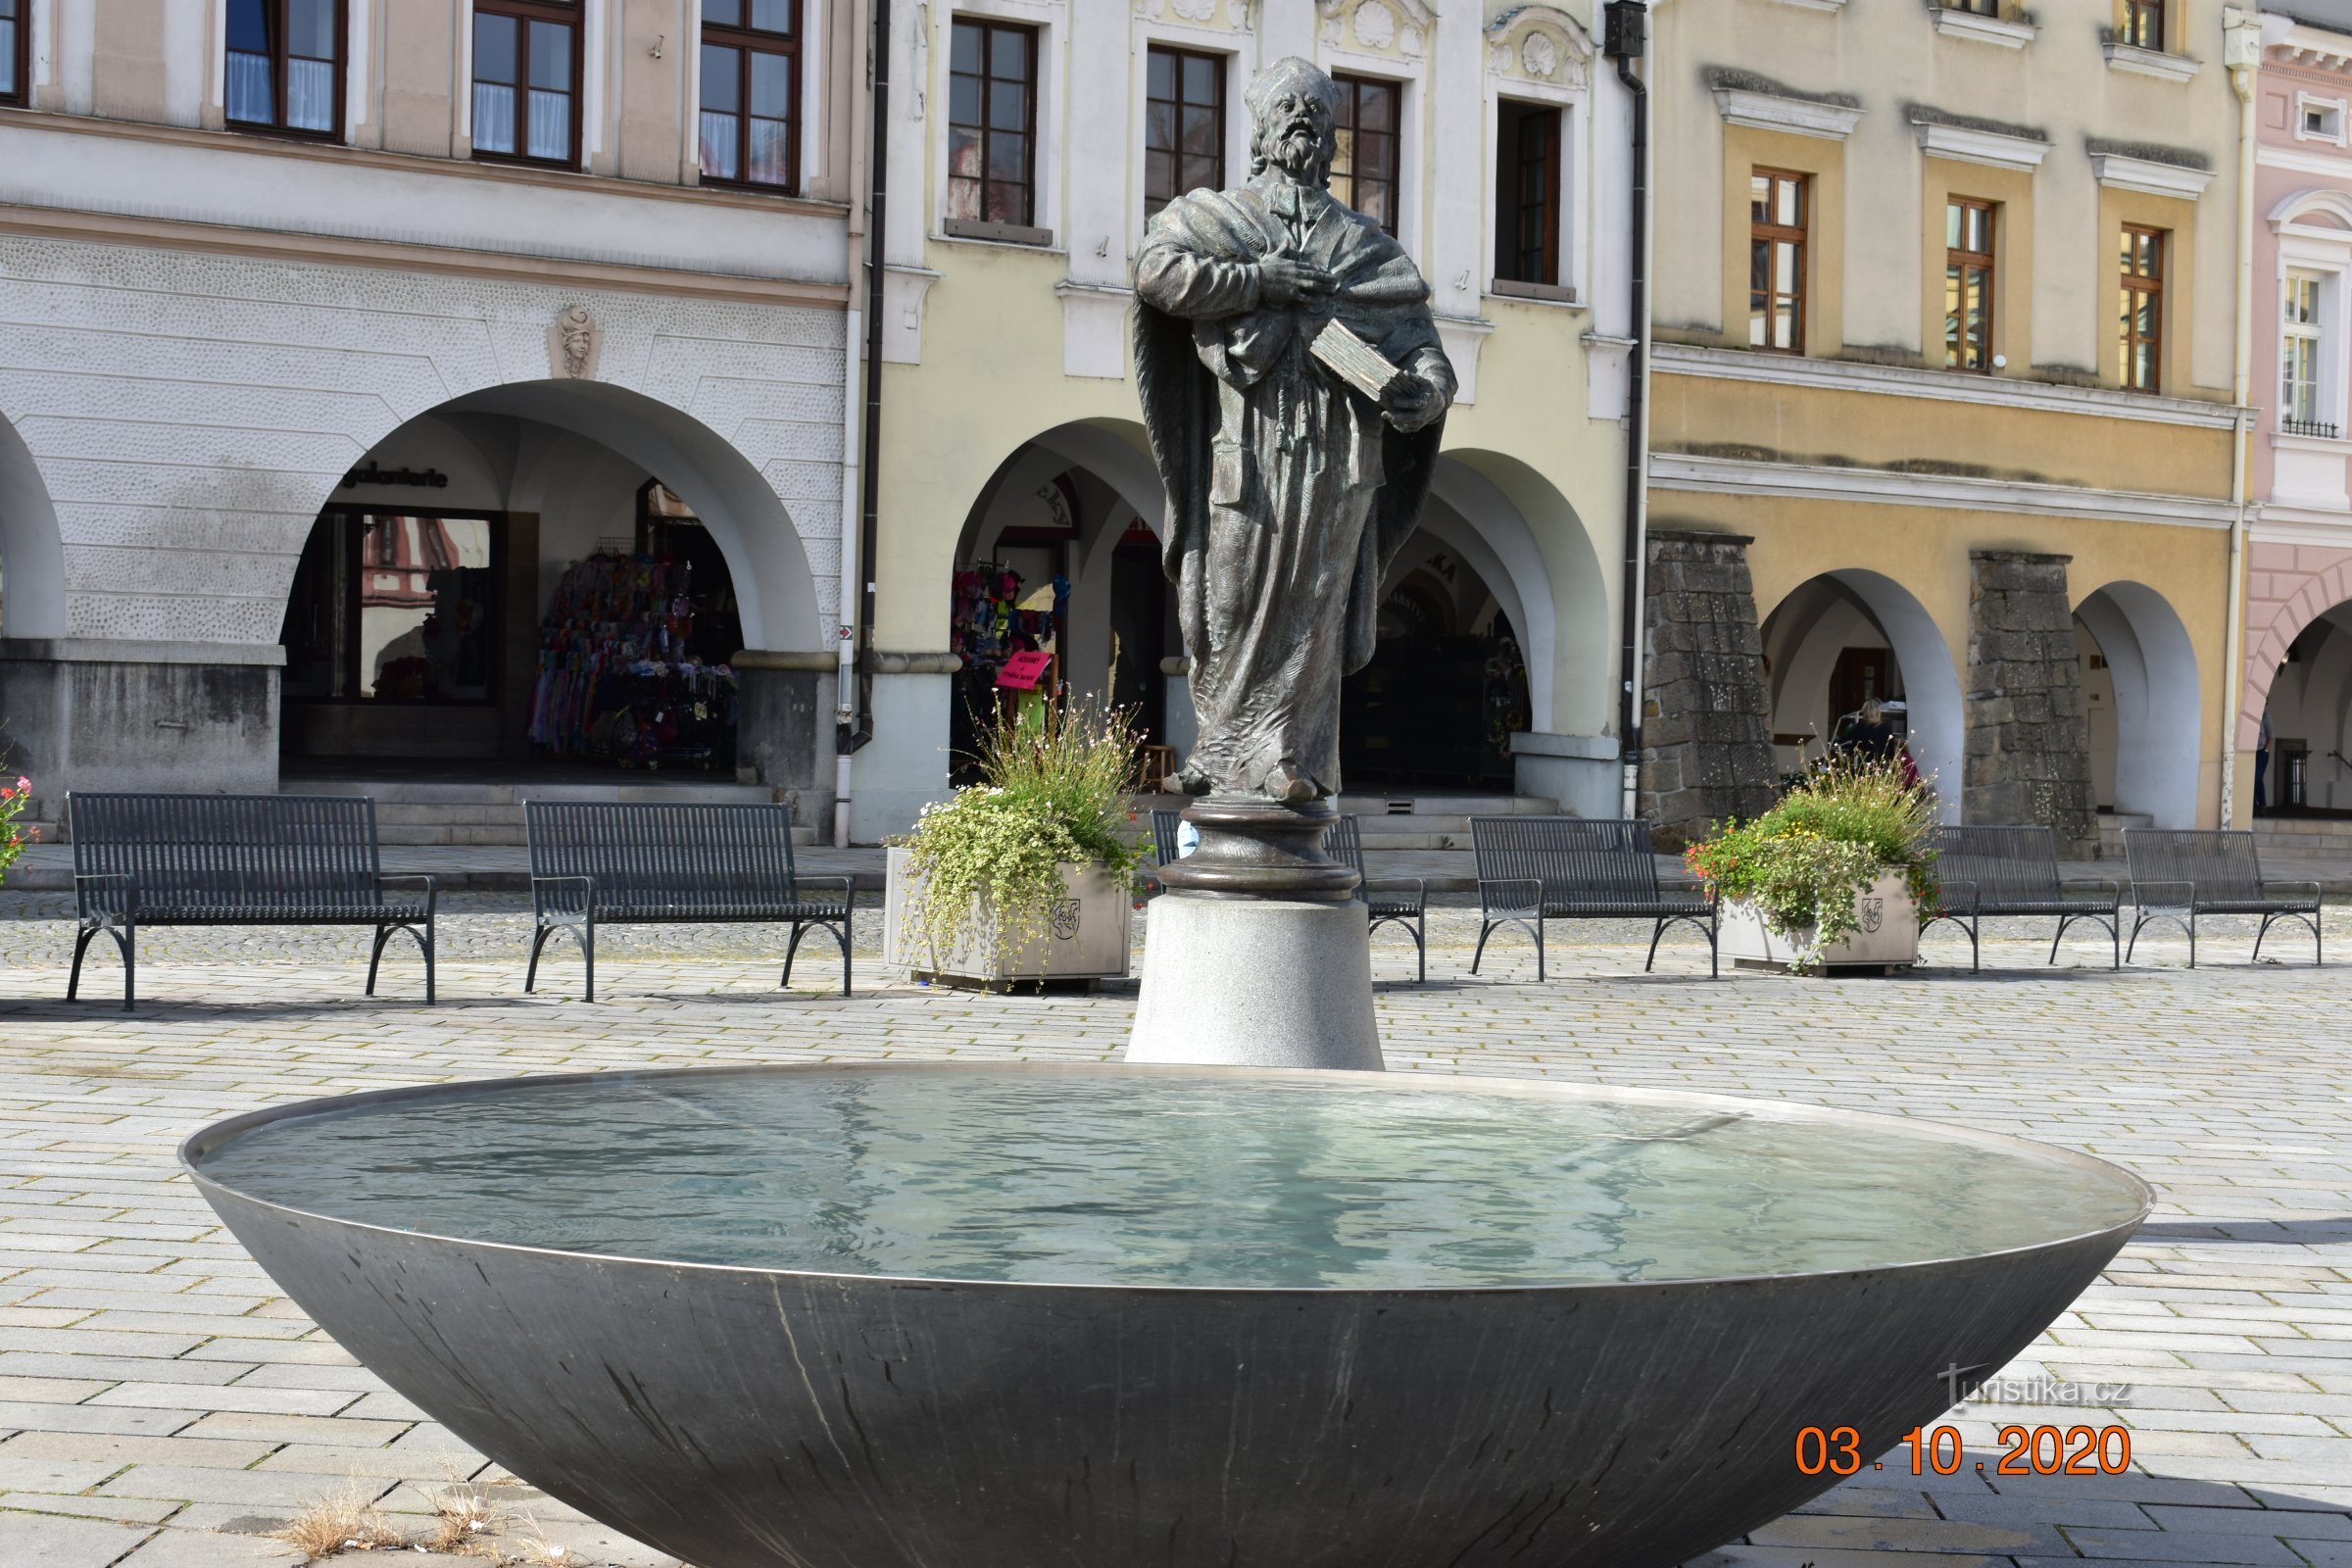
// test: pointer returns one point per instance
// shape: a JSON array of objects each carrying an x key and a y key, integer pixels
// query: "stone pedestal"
[
  {"x": 1258, "y": 956},
  {"x": 1256, "y": 983}
]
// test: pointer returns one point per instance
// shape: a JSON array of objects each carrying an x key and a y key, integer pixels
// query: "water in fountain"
[{"x": 1088, "y": 1178}]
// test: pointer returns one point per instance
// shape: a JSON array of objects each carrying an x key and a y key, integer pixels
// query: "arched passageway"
[
  {"x": 1060, "y": 553},
  {"x": 2309, "y": 714},
  {"x": 1842, "y": 638},
  {"x": 33, "y": 556},
  {"x": 548, "y": 571},
  {"x": 2140, "y": 693}
]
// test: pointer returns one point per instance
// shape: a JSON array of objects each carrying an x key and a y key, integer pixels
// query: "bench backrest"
[
  {"x": 2004, "y": 863},
  {"x": 1344, "y": 842},
  {"x": 265, "y": 852},
  {"x": 1163, "y": 836},
  {"x": 653, "y": 852},
  {"x": 2223, "y": 865},
  {"x": 1576, "y": 860}
]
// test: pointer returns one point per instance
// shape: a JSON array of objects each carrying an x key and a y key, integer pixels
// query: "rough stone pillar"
[
  {"x": 2028, "y": 735},
  {"x": 1707, "y": 730}
]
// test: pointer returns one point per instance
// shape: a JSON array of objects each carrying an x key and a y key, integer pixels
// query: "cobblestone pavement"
[{"x": 161, "y": 1405}]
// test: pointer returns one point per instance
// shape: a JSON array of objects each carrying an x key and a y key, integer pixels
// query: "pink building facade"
[{"x": 2298, "y": 669}]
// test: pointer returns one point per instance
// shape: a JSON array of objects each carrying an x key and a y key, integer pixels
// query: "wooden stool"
[{"x": 1159, "y": 763}]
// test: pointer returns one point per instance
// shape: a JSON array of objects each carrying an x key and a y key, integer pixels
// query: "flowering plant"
[
  {"x": 1804, "y": 863},
  {"x": 12, "y": 836},
  {"x": 987, "y": 862}
]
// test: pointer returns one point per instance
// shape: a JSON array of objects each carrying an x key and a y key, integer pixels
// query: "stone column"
[
  {"x": 2028, "y": 735},
  {"x": 1706, "y": 729}
]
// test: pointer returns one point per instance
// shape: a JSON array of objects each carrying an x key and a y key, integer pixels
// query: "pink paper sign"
[{"x": 1022, "y": 672}]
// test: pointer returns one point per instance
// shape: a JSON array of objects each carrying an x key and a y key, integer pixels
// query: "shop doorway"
[
  {"x": 1446, "y": 687},
  {"x": 559, "y": 609}
]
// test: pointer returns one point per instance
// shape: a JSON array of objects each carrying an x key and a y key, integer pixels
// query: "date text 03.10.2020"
[{"x": 2043, "y": 1451}]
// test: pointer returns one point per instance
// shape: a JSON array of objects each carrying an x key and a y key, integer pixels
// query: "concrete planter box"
[
  {"x": 1888, "y": 934},
  {"x": 1089, "y": 941}
]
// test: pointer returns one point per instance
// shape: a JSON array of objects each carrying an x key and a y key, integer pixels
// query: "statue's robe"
[{"x": 1288, "y": 492}]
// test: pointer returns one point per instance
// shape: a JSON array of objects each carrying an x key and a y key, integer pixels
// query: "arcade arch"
[
  {"x": 33, "y": 557},
  {"x": 1500, "y": 559},
  {"x": 544, "y": 568},
  {"x": 1845, "y": 636},
  {"x": 2140, "y": 691}
]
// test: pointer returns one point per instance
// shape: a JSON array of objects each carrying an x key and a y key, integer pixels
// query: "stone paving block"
[
  {"x": 109, "y": 1369},
  {"x": 54, "y": 1542},
  {"x": 120, "y": 1421},
  {"x": 2309, "y": 1525},
  {"x": 125, "y": 1510},
  {"x": 1949, "y": 1535},
  {"x": 2182, "y": 1545},
  {"x": 283, "y": 1488},
  {"x": 1748, "y": 1556},
  {"x": 236, "y": 1396},
  {"x": 195, "y": 1548},
  {"x": 116, "y": 1451}
]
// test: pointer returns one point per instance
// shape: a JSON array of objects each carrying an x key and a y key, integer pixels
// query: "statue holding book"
[{"x": 1293, "y": 388}]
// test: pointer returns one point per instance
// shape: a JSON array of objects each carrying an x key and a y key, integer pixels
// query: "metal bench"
[
  {"x": 234, "y": 859},
  {"x": 638, "y": 864},
  {"x": 2014, "y": 871},
  {"x": 1390, "y": 905},
  {"x": 1532, "y": 869},
  {"x": 2180, "y": 874},
  {"x": 1164, "y": 849}
]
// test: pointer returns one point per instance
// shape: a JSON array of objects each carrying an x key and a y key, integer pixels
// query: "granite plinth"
[{"x": 1251, "y": 982}]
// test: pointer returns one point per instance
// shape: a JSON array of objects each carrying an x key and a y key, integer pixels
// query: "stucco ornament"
[
  {"x": 573, "y": 340},
  {"x": 1375, "y": 24},
  {"x": 1291, "y": 485},
  {"x": 1194, "y": 9},
  {"x": 1539, "y": 54}
]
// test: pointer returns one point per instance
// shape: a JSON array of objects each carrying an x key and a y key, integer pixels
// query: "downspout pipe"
[
  {"x": 853, "y": 725},
  {"x": 1625, "y": 38},
  {"x": 2241, "y": 53}
]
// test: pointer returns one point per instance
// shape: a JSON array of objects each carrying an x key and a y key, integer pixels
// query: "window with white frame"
[
  {"x": 2319, "y": 118},
  {"x": 2302, "y": 409}
]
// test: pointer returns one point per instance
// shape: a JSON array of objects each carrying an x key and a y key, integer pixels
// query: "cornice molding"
[
  {"x": 1804, "y": 116},
  {"x": 1972, "y": 146},
  {"x": 238, "y": 141},
  {"x": 1982, "y": 29},
  {"x": 2150, "y": 62},
  {"x": 1944, "y": 386},
  {"x": 1740, "y": 476},
  {"x": 2122, "y": 171},
  {"x": 221, "y": 239}
]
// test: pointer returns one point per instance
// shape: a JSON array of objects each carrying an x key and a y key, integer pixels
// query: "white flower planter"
[
  {"x": 1088, "y": 940},
  {"x": 1888, "y": 934}
]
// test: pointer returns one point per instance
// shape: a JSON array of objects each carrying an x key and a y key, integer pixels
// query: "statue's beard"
[{"x": 1297, "y": 151}]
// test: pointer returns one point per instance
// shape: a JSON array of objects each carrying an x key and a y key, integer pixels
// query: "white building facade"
[{"x": 281, "y": 281}]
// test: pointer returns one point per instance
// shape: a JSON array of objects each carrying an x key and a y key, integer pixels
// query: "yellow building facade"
[
  {"x": 1028, "y": 141},
  {"x": 1945, "y": 327}
]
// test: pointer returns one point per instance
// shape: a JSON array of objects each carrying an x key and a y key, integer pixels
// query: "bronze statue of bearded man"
[{"x": 1296, "y": 460}]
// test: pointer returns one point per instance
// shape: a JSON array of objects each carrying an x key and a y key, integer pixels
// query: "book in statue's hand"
[{"x": 1357, "y": 361}]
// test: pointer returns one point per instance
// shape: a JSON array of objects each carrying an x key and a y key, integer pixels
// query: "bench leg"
[
  {"x": 791, "y": 948},
  {"x": 1714, "y": 950},
  {"x": 1421, "y": 948},
  {"x": 122, "y": 940},
  {"x": 1486, "y": 930},
  {"x": 81, "y": 944},
  {"x": 1539, "y": 949},
  {"x": 845, "y": 928},
  {"x": 425, "y": 946},
  {"x": 2064, "y": 922},
  {"x": 1657, "y": 932},
  {"x": 1976, "y": 944},
  {"x": 2193, "y": 939},
  {"x": 531, "y": 975}
]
